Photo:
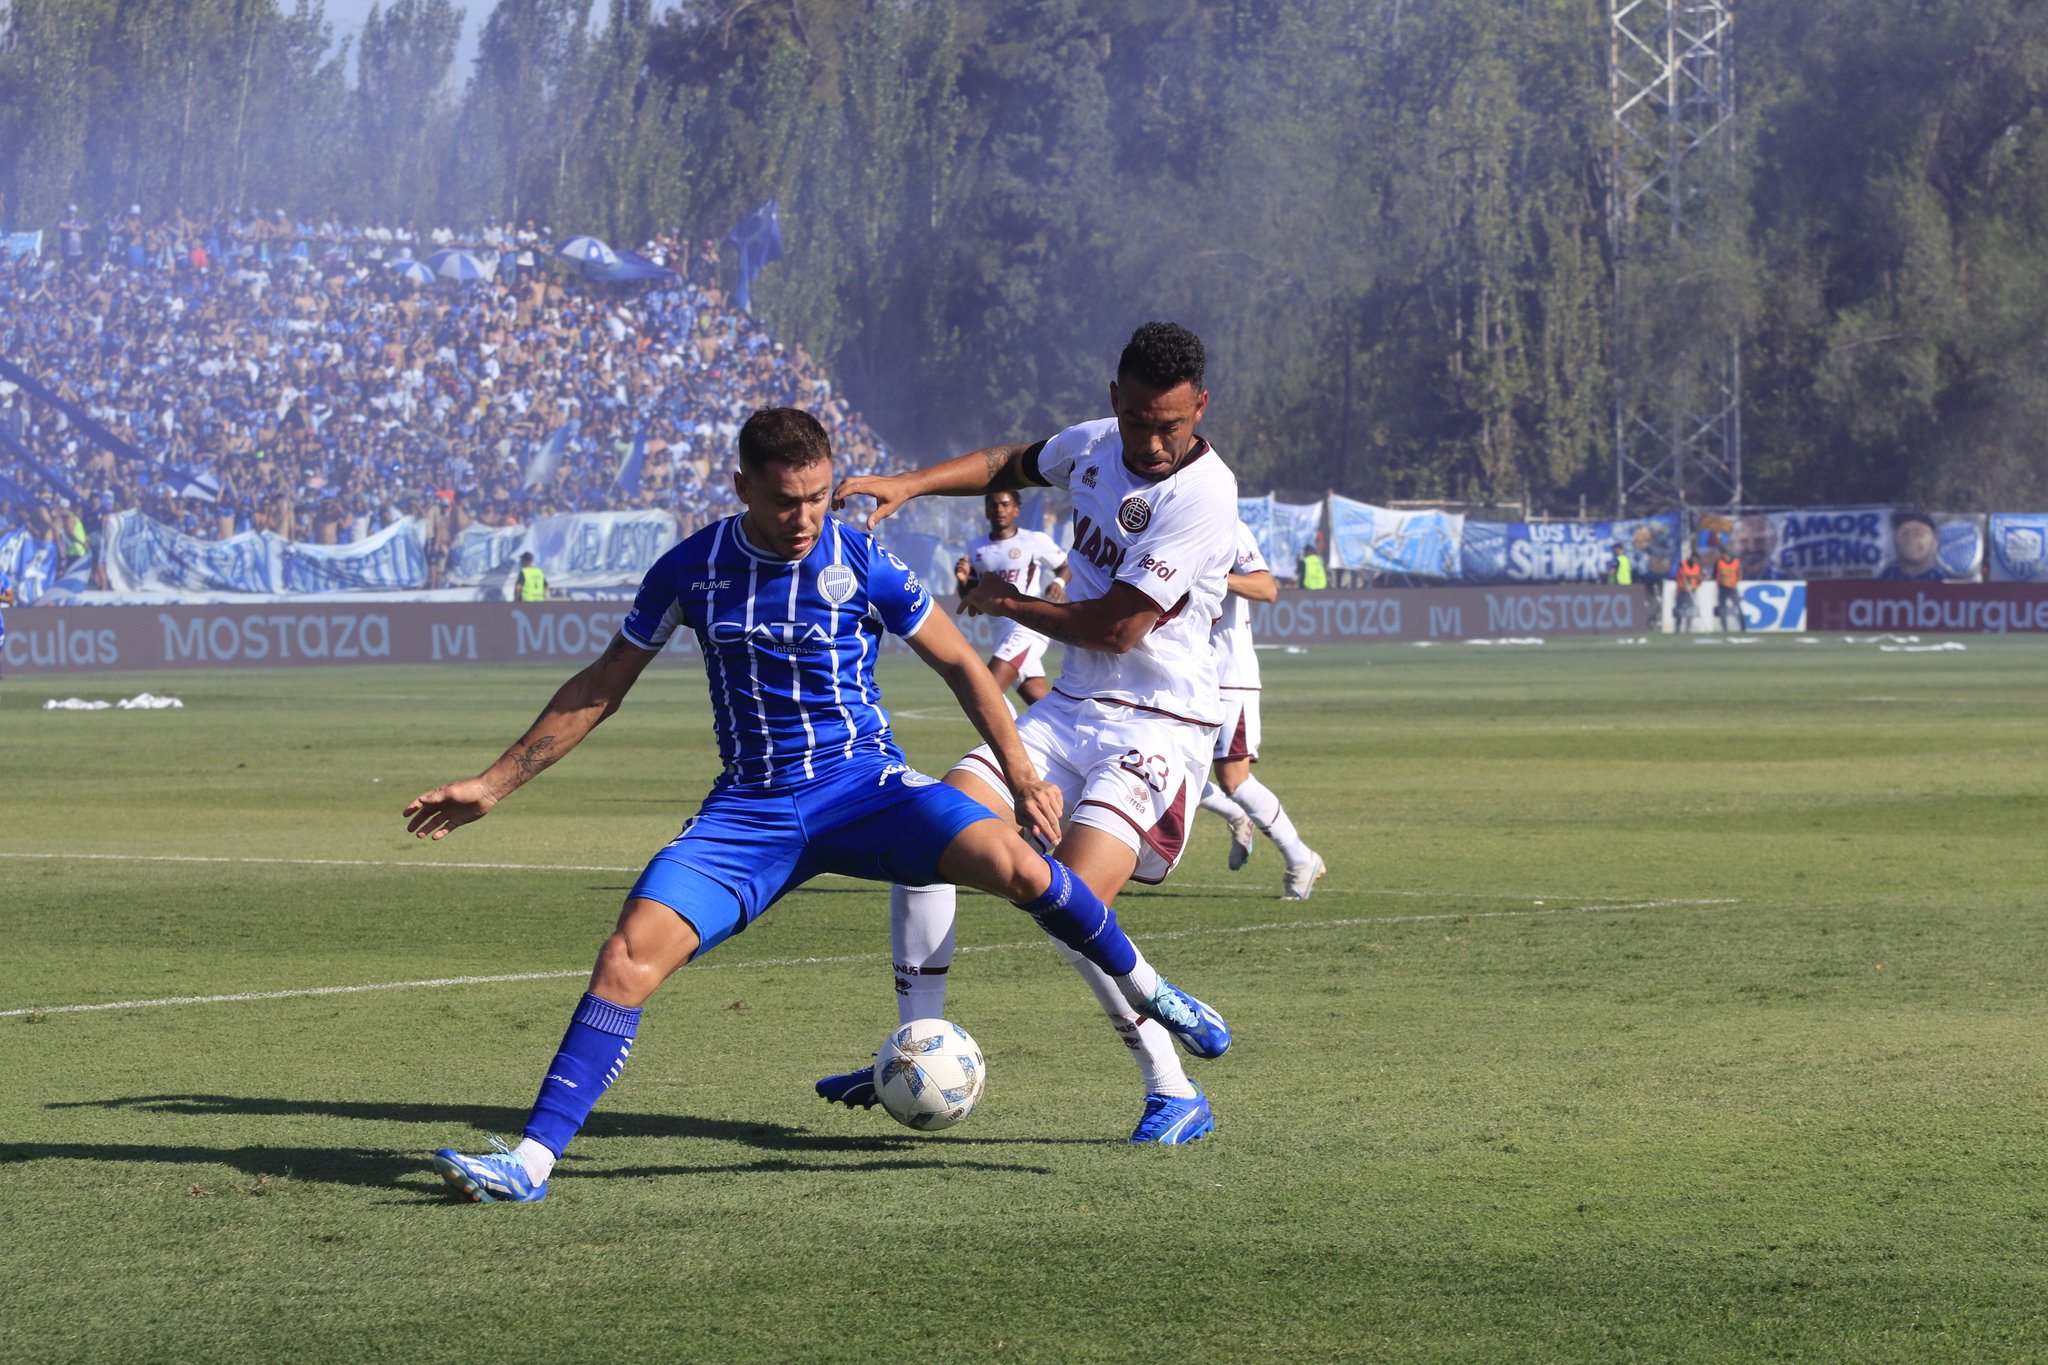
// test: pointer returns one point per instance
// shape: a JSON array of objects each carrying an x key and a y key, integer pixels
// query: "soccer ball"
[{"x": 929, "y": 1074}]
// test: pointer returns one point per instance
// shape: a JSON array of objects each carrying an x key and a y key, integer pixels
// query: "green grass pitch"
[{"x": 1662, "y": 1001}]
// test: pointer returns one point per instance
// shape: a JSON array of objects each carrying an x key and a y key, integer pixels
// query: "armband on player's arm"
[{"x": 1026, "y": 464}]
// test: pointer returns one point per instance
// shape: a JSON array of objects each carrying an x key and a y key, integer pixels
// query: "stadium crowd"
[{"x": 279, "y": 375}]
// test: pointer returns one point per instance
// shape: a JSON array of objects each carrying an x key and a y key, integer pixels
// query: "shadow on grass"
[
  {"x": 459, "y": 1124},
  {"x": 409, "y": 1171},
  {"x": 499, "y": 1119}
]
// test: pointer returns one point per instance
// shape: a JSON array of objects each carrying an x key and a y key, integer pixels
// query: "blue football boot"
[
  {"x": 1170, "y": 1119},
  {"x": 496, "y": 1178},
  {"x": 1198, "y": 1028},
  {"x": 854, "y": 1089}
]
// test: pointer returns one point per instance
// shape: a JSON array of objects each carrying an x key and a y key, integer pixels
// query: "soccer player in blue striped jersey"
[{"x": 787, "y": 608}]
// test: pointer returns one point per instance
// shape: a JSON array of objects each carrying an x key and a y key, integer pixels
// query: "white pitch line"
[
  {"x": 1278, "y": 926},
  {"x": 309, "y": 862},
  {"x": 1535, "y": 898}
]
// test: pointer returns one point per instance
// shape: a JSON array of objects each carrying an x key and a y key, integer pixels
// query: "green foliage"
[{"x": 1388, "y": 218}]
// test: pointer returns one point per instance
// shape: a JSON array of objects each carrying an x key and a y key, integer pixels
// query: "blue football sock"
[
  {"x": 1076, "y": 916},
  {"x": 592, "y": 1054}
]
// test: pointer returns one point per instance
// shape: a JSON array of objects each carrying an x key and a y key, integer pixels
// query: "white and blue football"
[{"x": 929, "y": 1074}]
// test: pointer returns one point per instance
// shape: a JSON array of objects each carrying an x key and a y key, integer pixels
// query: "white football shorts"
[
  {"x": 1238, "y": 736},
  {"x": 1135, "y": 775},
  {"x": 1022, "y": 649}
]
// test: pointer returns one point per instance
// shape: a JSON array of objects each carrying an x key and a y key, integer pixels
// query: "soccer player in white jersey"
[
  {"x": 787, "y": 607},
  {"x": 1034, "y": 564},
  {"x": 1127, "y": 730},
  {"x": 1235, "y": 794}
]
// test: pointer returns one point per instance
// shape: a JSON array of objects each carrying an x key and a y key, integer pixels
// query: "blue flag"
[
  {"x": 35, "y": 466},
  {"x": 628, "y": 479},
  {"x": 196, "y": 484},
  {"x": 759, "y": 238},
  {"x": 548, "y": 458}
]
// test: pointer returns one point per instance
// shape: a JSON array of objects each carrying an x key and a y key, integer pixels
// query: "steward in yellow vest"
[{"x": 533, "y": 584}]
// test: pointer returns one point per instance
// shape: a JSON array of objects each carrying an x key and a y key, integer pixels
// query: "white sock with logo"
[
  {"x": 1264, "y": 808},
  {"x": 921, "y": 948},
  {"x": 1151, "y": 1046}
]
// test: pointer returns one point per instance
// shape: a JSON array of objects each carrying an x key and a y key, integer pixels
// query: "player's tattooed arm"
[{"x": 531, "y": 758}]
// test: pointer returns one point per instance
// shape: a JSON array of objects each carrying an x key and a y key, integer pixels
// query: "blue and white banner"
[
  {"x": 31, "y": 563},
  {"x": 2019, "y": 547},
  {"x": 395, "y": 557},
  {"x": 1822, "y": 544},
  {"x": 1565, "y": 551},
  {"x": 1283, "y": 529},
  {"x": 574, "y": 550},
  {"x": 1421, "y": 543},
  {"x": 1815, "y": 544},
  {"x": 15, "y": 245},
  {"x": 142, "y": 555},
  {"x": 1935, "y": 547},
  {"x": 481, "y": 550}
]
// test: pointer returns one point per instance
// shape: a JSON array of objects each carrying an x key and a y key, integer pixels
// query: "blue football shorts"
[{"x": 744, "y": 850}]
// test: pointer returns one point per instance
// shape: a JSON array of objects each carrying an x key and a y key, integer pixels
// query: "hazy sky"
[{"x": 347, "y": 17}]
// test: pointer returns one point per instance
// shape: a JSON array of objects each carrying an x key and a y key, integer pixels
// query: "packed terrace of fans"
[{"x": 328, "y": 397}]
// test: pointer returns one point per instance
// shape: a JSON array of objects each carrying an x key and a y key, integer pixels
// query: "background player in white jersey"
[
  {"x": 1236, "y": 795},
  {"x": 787, "y": 606},
  {"x": 1034, "y": 564},
  {"x": 1127, "y": 729}
]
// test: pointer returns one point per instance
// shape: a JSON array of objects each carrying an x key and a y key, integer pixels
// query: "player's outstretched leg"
[
  {"x": 591, "y": 1055},
  {"x": 651, "y": 942},
  {"x": 1218, "y": 802},
  {"x": 921, "y": 951}
]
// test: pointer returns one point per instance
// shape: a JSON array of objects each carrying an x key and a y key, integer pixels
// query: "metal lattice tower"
[{"x": 1677, "y": 423}]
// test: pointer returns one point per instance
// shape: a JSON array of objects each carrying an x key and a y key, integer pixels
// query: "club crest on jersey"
[
  {"x": 1134, "y": 514},
  {"x": 836, "y": 583}
]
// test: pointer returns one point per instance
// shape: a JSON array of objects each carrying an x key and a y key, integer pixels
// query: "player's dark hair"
[
  {"x": 788, "y": 436},
  {"x": 1161, "y": 355},
  {"x": 989, "y": 499}
]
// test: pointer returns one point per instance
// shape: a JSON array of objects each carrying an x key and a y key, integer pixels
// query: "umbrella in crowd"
[
  {"x": 587, "y": 251},
  {"x": 462, "y": 266},
  {"x": 415, "y": 272}
]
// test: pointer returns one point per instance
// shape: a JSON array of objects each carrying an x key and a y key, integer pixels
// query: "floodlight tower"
[{"x": 1677, "y": 418}]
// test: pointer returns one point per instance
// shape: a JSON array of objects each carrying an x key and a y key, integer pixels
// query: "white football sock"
[
  {"x": 538, "y": 1160},
  {"x": 921, "y": 948},
  {"x": 1264, "y": 808},
  {"x": 1150, "y": 1045},
  {"x": 1217, "y": 802}
]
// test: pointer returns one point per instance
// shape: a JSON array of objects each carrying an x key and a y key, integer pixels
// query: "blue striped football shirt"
[{"x": 789, "y": 647}]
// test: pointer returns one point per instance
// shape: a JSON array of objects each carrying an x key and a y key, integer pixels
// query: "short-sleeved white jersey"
[
  {"x": 1237, "y": 663},
  {"x": 1172, "y": 541},
  {"x": 1027, "y": 560}
]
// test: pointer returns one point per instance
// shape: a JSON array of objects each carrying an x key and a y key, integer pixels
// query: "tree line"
[{"x": 1387, "y": 217}]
